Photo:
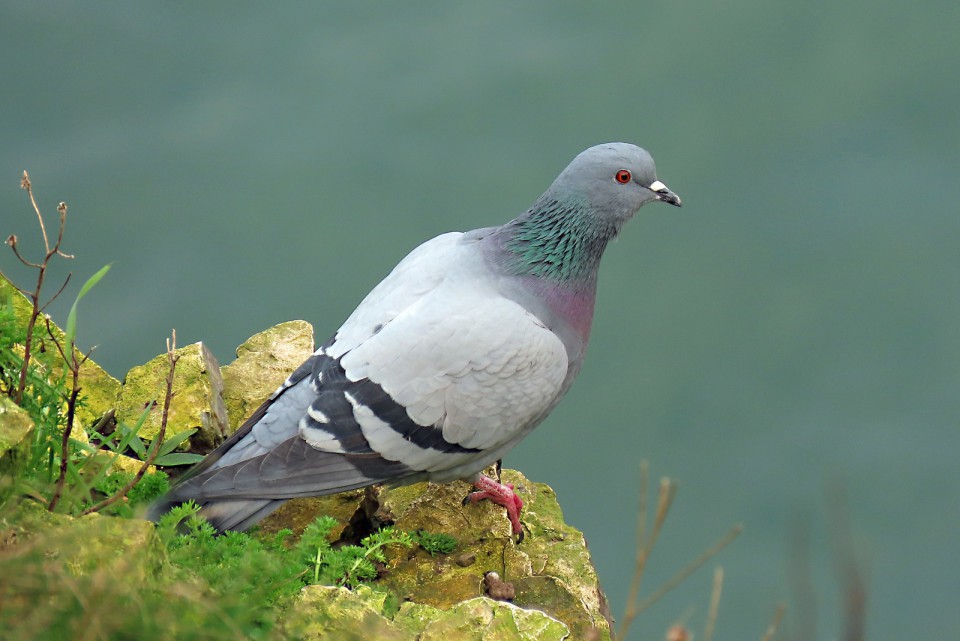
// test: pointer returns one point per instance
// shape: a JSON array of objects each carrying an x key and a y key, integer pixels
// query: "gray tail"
[{"x": 230, "y": 514}]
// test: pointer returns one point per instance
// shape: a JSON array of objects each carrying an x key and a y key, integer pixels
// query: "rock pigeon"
[{"x": 462, "y": 350}]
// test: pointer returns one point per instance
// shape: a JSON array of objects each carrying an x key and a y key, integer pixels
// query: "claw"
[{"x": 501, "y": 494}]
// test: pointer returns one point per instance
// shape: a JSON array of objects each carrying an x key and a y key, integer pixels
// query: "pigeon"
[{"x": 465, "y": 347}]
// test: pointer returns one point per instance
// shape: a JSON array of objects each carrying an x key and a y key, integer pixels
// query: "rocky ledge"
[{"x": 489, "y": 588}]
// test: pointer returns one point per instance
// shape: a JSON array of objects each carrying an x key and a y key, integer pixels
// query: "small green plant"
[
  {"x": 126, "y": 440},
  {"x": 347, "y": 565},
  {"x": 435, "y": 543}
]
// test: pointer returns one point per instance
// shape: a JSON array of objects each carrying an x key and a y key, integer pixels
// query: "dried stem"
[
  {"x": 714, "y": 604},
  {"x": 772, "y": 628},
  {"x": 850, "y": 574},
  {"x": 172, "y": 358},
  {"x": 804, "y": 596},
  {"x": 668, "y": 491},
  {"x": 694, "y": 565},
  {"x": 641, "y": 545},
  {"x": 66, "y": 281},
  {"x": 62, "y": 210},
  {"x": 41, "y": 267},
  {"x": 25, "y": 184},
  {"x": 69, "y": 355}
]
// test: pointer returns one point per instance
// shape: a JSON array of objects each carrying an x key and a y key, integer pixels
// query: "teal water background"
[{"x": 798, "y": 321}]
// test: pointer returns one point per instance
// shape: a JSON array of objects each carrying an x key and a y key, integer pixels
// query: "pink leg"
[{"x": 501, "y": 494}]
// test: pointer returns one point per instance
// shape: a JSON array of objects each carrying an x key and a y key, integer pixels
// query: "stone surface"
[
  {"x": 297, "y": 514},
  {"x": 16, "y": 427},
  {"x": 330, "y": 613},
  {"x": 263, "y": 362},
  {"x": 554, "y": 590},
  {"x": 484, "y": 619},
  {"x": 325, "y": 613},
  {"x": 549, "y": 571},
  {"x": 109, "y": 546},
  {"x": 197, "y": 397}
]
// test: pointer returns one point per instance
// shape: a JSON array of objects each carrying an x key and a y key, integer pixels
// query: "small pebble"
[
  {"x": 497, "y": 588},
  {"x": 466, "y": 559}
]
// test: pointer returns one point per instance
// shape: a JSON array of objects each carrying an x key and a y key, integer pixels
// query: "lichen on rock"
[
  {"x": 548, "y": 584},
  {"x": 263, "y": 362},
  {"x": 326, "y": 613},
  {"x": 550, "y": 571},
  {"x": 197, "y": 400},
  {"x": 16, "y": 428}
]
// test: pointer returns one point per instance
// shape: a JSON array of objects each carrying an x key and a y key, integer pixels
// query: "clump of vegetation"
[
  {"x": 208, "y": 585},
  {"x": 349, "y": 564},
  {"x": 435, "y": 543},
  {"x": 40, "y": 370}
]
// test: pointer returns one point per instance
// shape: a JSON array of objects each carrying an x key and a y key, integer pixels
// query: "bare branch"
[
  {"x": 59, "y": 291},
  {"x": 12, "y": 243},
  {"x": 172, "y": 358},
  {"x": 668, "y": 491},
  {"x": 62, "y": 210},
  {"x": 714, "y": 604},
  {"x": 71, "y": 414},
  {"x": 693, "y": 566},
  {"x": 847, "y": 565},
  {"x": 25, "y": 184},
  {"x": 41, "y": 268},
  {"x": 804, "y": 595},
  {"x": 772, "y": 628}
]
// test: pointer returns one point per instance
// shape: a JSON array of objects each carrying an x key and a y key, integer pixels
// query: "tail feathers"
[
  {"x": 231, "y": 514},
  {"x": 238, "y": 514}
]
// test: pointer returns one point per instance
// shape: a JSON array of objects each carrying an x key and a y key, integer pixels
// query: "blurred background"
[{"x": 791, "y": 332}]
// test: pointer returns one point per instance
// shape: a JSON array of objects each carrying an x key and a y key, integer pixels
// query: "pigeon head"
[
  {"x": 564, "y": 233},
  {"x": 613, "y": 180}
]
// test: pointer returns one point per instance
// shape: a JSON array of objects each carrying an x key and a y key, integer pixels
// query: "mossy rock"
[
  {"x": 197, "y": 397},
  {"x": 553, "y": 564},
  {"x": 483, "y": 619},
  {"x": 16, "y": 427},
  {"x": 327, "y": 613},
  {"x": 481, "y": 530},
  {"x": 122, "y": 549},
  {"x": 551, "y": 570},
  {"x": 263, "y": 363},
  {"x": 297, "y": 514}
]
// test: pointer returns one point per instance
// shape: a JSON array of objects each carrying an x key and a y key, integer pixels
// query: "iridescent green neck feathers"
[{"x": 557, "y": 240}]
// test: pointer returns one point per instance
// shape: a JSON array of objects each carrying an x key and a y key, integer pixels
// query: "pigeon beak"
[{"x": 665, "y": 195}]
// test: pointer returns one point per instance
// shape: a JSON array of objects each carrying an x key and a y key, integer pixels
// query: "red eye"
[{"x": 623, "y": 176}]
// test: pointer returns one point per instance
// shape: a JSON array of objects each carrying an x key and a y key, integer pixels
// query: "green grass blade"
[
  {"x": 171, "y": 443},
  {"x": 72, "y": 316},
  {"x": 177, "y": 458}
]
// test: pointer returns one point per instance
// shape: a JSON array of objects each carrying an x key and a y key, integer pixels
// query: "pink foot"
[{"x": 501, "y": 494}]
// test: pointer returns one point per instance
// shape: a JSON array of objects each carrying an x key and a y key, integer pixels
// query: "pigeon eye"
[{"x": 623, "y": 176}]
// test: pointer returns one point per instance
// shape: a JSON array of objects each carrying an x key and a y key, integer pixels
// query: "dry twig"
[
  {"x": 69, "y": 355},
  {"x": 772, "y": 628},
  {"x": 714, "y": 604},
  {"x": 41, "y": 267},
  {"x": 172, "y": 358}
]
